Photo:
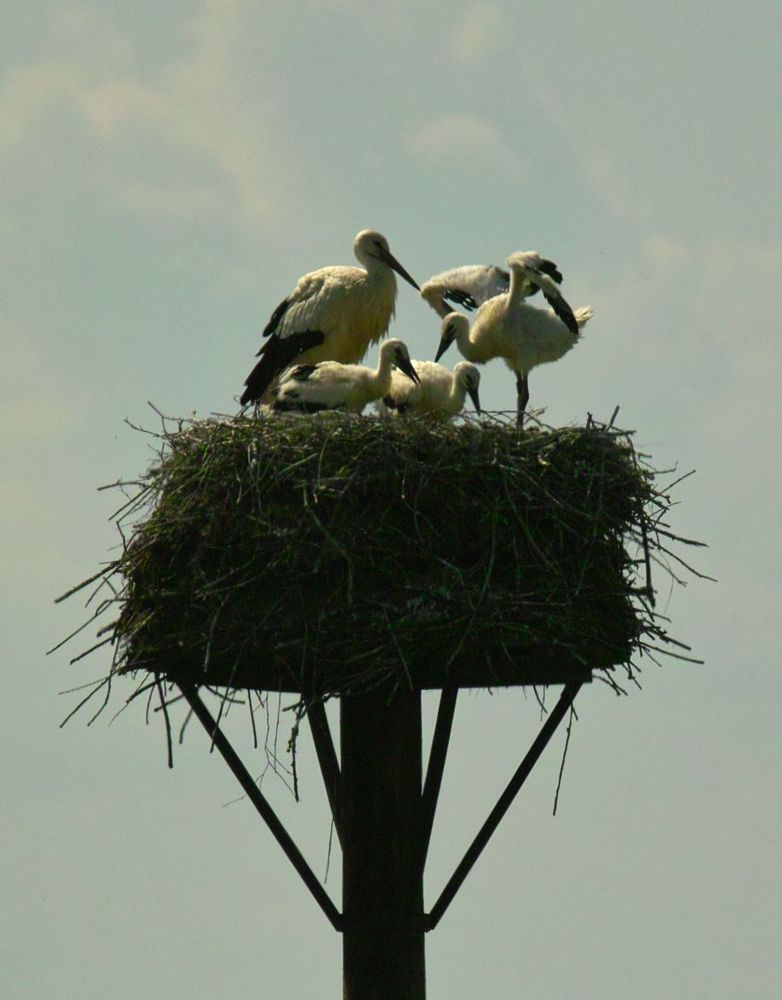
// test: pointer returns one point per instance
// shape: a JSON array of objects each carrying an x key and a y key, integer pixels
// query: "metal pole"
[
  {"x": 503, "y": 804},
  {"x": 257, "y": 798},
  {"x": 434, "y": 771},
  {"x": 327, "y": 758},
  {"x": 382, "y": 878}
]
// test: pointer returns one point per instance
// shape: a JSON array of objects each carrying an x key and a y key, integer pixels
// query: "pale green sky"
[{"x": 168, "y": 171}]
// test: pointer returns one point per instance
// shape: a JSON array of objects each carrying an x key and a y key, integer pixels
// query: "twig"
[{"x": 567, "y": 738}]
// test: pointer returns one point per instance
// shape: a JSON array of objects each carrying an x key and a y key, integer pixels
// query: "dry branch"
[{"x": 329, "y": 555}]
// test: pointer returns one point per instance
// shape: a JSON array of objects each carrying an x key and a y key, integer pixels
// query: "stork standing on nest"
[
  {"x": 439, "y": 394},
  {"x": 334, "y": 386},
  {"x": 333, "y": 314},
  {"x": 473, "y": 284},
  {"x": 522, "y": 335}
]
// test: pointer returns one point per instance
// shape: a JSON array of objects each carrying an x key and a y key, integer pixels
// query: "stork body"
[
  {"x": 330, "y": 385},
  {"x": 438, "y": 395},
  {"x": 333, "y": 314},
  {"x": 522, "y": 335},
  {"x": 473, "y": 284}
]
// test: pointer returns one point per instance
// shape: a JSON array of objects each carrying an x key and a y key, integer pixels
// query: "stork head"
[
  {"x": 467, "y": 375},
  {"x": 395, "y": 351},
  {"x": 523, "y": 260},
  {"x": 451, "y": 327},
  {"x": 369, "y": 246},
  {"x": 432, "y": 294}
]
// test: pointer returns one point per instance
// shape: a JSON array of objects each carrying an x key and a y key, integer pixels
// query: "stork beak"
[
  {"x": 472, "y": 392},
  {"x": 394, "y": 264},
  {"x": 445, "y": 343},
  {"x": 406, "y": 367}
]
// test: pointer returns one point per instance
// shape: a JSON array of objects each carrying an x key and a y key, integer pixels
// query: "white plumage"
[
  {"x": 334, "y": 314},
  {"x": 439, "y": 394},
  {"x": 330, "y": 385},
  {"x": 473, "y": 284},
  {"x": 522, "y": 335},
  {"x": 468, "y": 286}
]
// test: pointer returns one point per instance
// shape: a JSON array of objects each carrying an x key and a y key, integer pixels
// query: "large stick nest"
[{"x": 332, "y": 554}]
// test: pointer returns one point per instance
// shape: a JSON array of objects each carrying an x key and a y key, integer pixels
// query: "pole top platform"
[{"x": 328, "y": 555}]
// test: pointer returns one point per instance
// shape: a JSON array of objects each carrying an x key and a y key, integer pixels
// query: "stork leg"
[{"x": 522, "y": 397}]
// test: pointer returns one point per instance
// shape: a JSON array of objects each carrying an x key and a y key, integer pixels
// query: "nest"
[{"x": 330, "y": 555}]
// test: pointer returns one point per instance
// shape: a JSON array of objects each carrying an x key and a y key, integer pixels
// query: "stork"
[
  {"x": 472, "y": 285},
  {"x": 522, "y": 335},
  {"x": 333, "y": 314},
  {"x": 330, "y": 385},
  {"x": 439, "y": 394}
]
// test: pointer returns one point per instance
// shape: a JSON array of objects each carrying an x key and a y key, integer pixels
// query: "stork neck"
[
  {"x": 516, "y": 290},
  {"x": 378, "y": 271},
  {"x": 467, "y": 347},
  {"x": 382, "y": 374}
]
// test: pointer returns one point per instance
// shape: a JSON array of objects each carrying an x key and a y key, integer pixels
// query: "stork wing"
[
  {"x": 299, "y": 322},
  {"x": 300, "y": 373},
  {"x": 537, "y": 275},
  {"x": 276, "y": 355},
  {"x": 316, "y": 300},
  {"x": 274, "y": 319},
  {"x": 473, "y": 284},
  {"x": 291, "y": 403},
  {"x": 310, "y": 388},
  {"x": 550, "y": 268},
  {"x": 468, "y": 286}
]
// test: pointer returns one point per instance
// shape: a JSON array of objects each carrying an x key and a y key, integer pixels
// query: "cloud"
[
  {"x": 180, "y": 141},
  {"x": 39, "y": 405},
  {"x": 45, "y": 421},
  {"x": 664, "y": 252},
  {"x": 465, "y": 140},
  {"x": 476, "y": 35},
  {"x": 614, "y": 189}
]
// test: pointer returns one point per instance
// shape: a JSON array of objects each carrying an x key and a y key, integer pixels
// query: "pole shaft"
[{"x": 382, "y": 877}]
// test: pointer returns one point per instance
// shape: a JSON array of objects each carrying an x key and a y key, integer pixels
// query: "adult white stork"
[
  {"x": 330, "y": 385},
  {"x": 522, "y": 335},
  {"x": 438, "y": 395},
  {"x": 333, "y": 314},
  {"x": 472, "y": 285}
]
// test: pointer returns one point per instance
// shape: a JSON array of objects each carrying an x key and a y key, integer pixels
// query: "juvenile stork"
[
  {"x": 330, "y": 385},
  {"x": 333, "y": 314},
  {"x": 438, "y": 395},
  {"x": 522, "y": 335},
  {"x": 472, "y": 285}
]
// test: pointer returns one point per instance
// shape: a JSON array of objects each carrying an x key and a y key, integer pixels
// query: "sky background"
[{"x": 168, "y": 171}]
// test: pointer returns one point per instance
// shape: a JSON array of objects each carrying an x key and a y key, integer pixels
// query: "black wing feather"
[
  {"x": 565, "y": 313},
  {"x": 458, "y": 297},
  {"x": 274, "y": 319},
  {"x": 293, "y": 405},
  {"x": 276, "y": 355},
  {"x": 550, "y": 268},
  {"x": 301, "y": 372}
]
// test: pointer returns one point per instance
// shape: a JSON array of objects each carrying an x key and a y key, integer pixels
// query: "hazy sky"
[{"x": 168, "y": 171}]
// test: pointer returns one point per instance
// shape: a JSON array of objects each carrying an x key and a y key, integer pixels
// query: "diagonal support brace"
[
  {"x": 435, "y": 767},
  {"x": 503, "y": 804},
  {"x": 327, "y": 759},
  {"x": 257, "y": 798}
]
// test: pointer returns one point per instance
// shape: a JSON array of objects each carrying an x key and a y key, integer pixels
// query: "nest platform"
[{"x": 332, "y": 555}]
